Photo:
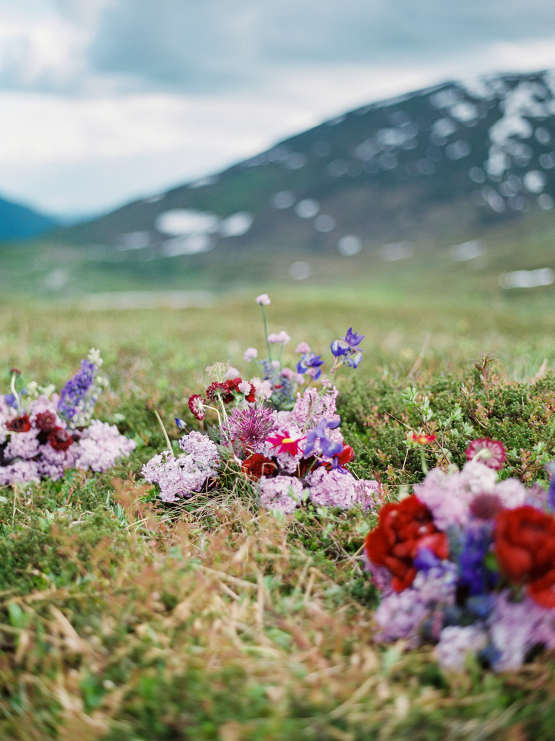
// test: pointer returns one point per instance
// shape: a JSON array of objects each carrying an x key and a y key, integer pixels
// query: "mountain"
[
  {"x": 442, "y": 163},
  {"x": 20, "y": 222}
]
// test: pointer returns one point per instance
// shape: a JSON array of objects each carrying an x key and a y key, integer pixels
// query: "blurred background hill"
[{"x": 449, "y": 185}]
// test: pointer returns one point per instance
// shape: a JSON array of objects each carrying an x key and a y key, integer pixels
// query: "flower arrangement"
[
  {"x": 286, "y": 443},
  {"x": 468, "y": 562},
  {"x": 42, "y": 434}
]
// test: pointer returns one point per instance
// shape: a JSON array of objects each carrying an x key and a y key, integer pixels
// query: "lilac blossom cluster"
[
  {"x": 37, "y": 442},
  {"x": 469, "y": 563},
  {"x": 183, "y": 475}
]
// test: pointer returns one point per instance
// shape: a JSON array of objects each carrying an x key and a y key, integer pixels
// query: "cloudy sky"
[{"x": 104, "y": 101}]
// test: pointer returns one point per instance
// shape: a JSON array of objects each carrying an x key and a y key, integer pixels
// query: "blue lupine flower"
[
  {"x": 78, "y": 396},
  {"x": 310, "y": 360}
]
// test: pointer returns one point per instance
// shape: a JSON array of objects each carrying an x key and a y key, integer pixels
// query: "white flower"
[{"x": 263, "y": 299}]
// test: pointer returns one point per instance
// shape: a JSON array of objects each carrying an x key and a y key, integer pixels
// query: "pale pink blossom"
[
  {"x": 250, "y": 354},
  {"x": 302, "y": 347},
  {"x": 281, "y": 338},
  {"x": 263, "y": 299}
]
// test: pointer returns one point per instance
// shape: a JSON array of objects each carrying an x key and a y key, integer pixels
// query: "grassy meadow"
[{"x": 125, "y": 620}]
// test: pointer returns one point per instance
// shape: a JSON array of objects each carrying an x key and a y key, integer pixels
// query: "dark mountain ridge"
[{"x": 440, "y": 163}]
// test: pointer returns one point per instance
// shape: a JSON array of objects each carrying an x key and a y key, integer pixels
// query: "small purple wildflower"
[
  {"x": 328, "y": 448},
  {"x": 347, "y": 349},
  {"x": 473, "y": 572},
  {"x": 310, "y": 361},
  {"x": 551, "y": 490}
]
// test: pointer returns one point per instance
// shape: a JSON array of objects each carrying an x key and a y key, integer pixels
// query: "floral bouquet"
[
  {"x": 468, "y": 562},
  {"x": 42, "y": 434},
  {"x": 287, "y": 443}
]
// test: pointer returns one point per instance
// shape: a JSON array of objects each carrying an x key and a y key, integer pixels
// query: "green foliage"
[{"x": 377, "y": 415}]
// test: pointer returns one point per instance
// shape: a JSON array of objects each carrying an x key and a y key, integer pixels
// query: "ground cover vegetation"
[{"x": 124, "y": 618}]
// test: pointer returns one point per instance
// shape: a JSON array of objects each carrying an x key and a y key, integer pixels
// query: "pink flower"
[
  {"x": 250, "y": 354},
  {"x": 263, "y": 299},
  {"x": 245, "y": 387},
  {"x": 287, "y": 372},
  {"x": 302, "y": 347},
  {"x": 490, "y": 452},
  {"x": 279, "y": 339}
]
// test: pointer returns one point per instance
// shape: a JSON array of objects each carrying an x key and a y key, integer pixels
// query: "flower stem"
[
  {"x": 16, "y": 395},
  {"x": 164, "y": 431},
  {"x": 266, "y": 332}
]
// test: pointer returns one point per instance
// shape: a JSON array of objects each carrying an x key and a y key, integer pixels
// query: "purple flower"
[
  {"x": 310, "y": 361},
  {"x": 347, "y": 348},
  {"x": 77, "y": 398},
  {"x": 473, "y": 572},
  {"x": 551, "y": 490},
  {"x": 328, "y": 448},
  {"x": 251, "y": 426}
]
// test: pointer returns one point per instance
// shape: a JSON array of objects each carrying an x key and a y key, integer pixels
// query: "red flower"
[
  {"x": 19, "y": 424},
  {"x": 525, "y": 550},
  {"x": 45, "y": 421},
  {"x": 490, "y": 452},
  {"x": 60, "y": 439},
  {"x": 420, "y": 438},
  {"x": 221, "y": 391},
  {"x": 258, "y": 465},
  {"x": 196, "y": 405},
  {"x": 285, "y": 442},
  {"x": 403, "y": 528},
  {"x": 251, "y": 396}
]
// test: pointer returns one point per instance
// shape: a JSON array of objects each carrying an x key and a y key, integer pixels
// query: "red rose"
[
  {"x": 403, "y": 528},
  {"x": 525, "y": 550},
  {"x": 257, "y": 465},
  {"x": 19, "y": 424},
  {"x": 60, "y": 439}
]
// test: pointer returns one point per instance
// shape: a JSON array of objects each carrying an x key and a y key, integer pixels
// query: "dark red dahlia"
[
  {"x": 60, "y": 439},
  {"x": 45, "y": 421},
  {"x": 196, "y": 405},
  {"x": 19, "y": 424}
]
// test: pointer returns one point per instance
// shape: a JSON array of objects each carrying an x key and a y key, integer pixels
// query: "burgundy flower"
[
  {"x": 19, "y": 424},
  {"x": 196, "y": 405},
  {"x": 258, "y": 465},
  {"x": 45, "y": 421},
  {"x": 60, "y": 439},
  {"x": 490, "y": 452},
  {"x": 403, "y": 528},
  {"x": 218, "y": 390}
]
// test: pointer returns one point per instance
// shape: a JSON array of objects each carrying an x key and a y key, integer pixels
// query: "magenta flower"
[
  {"x": 490, "y": 452},
  {"x": 285, "y": 442}
]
